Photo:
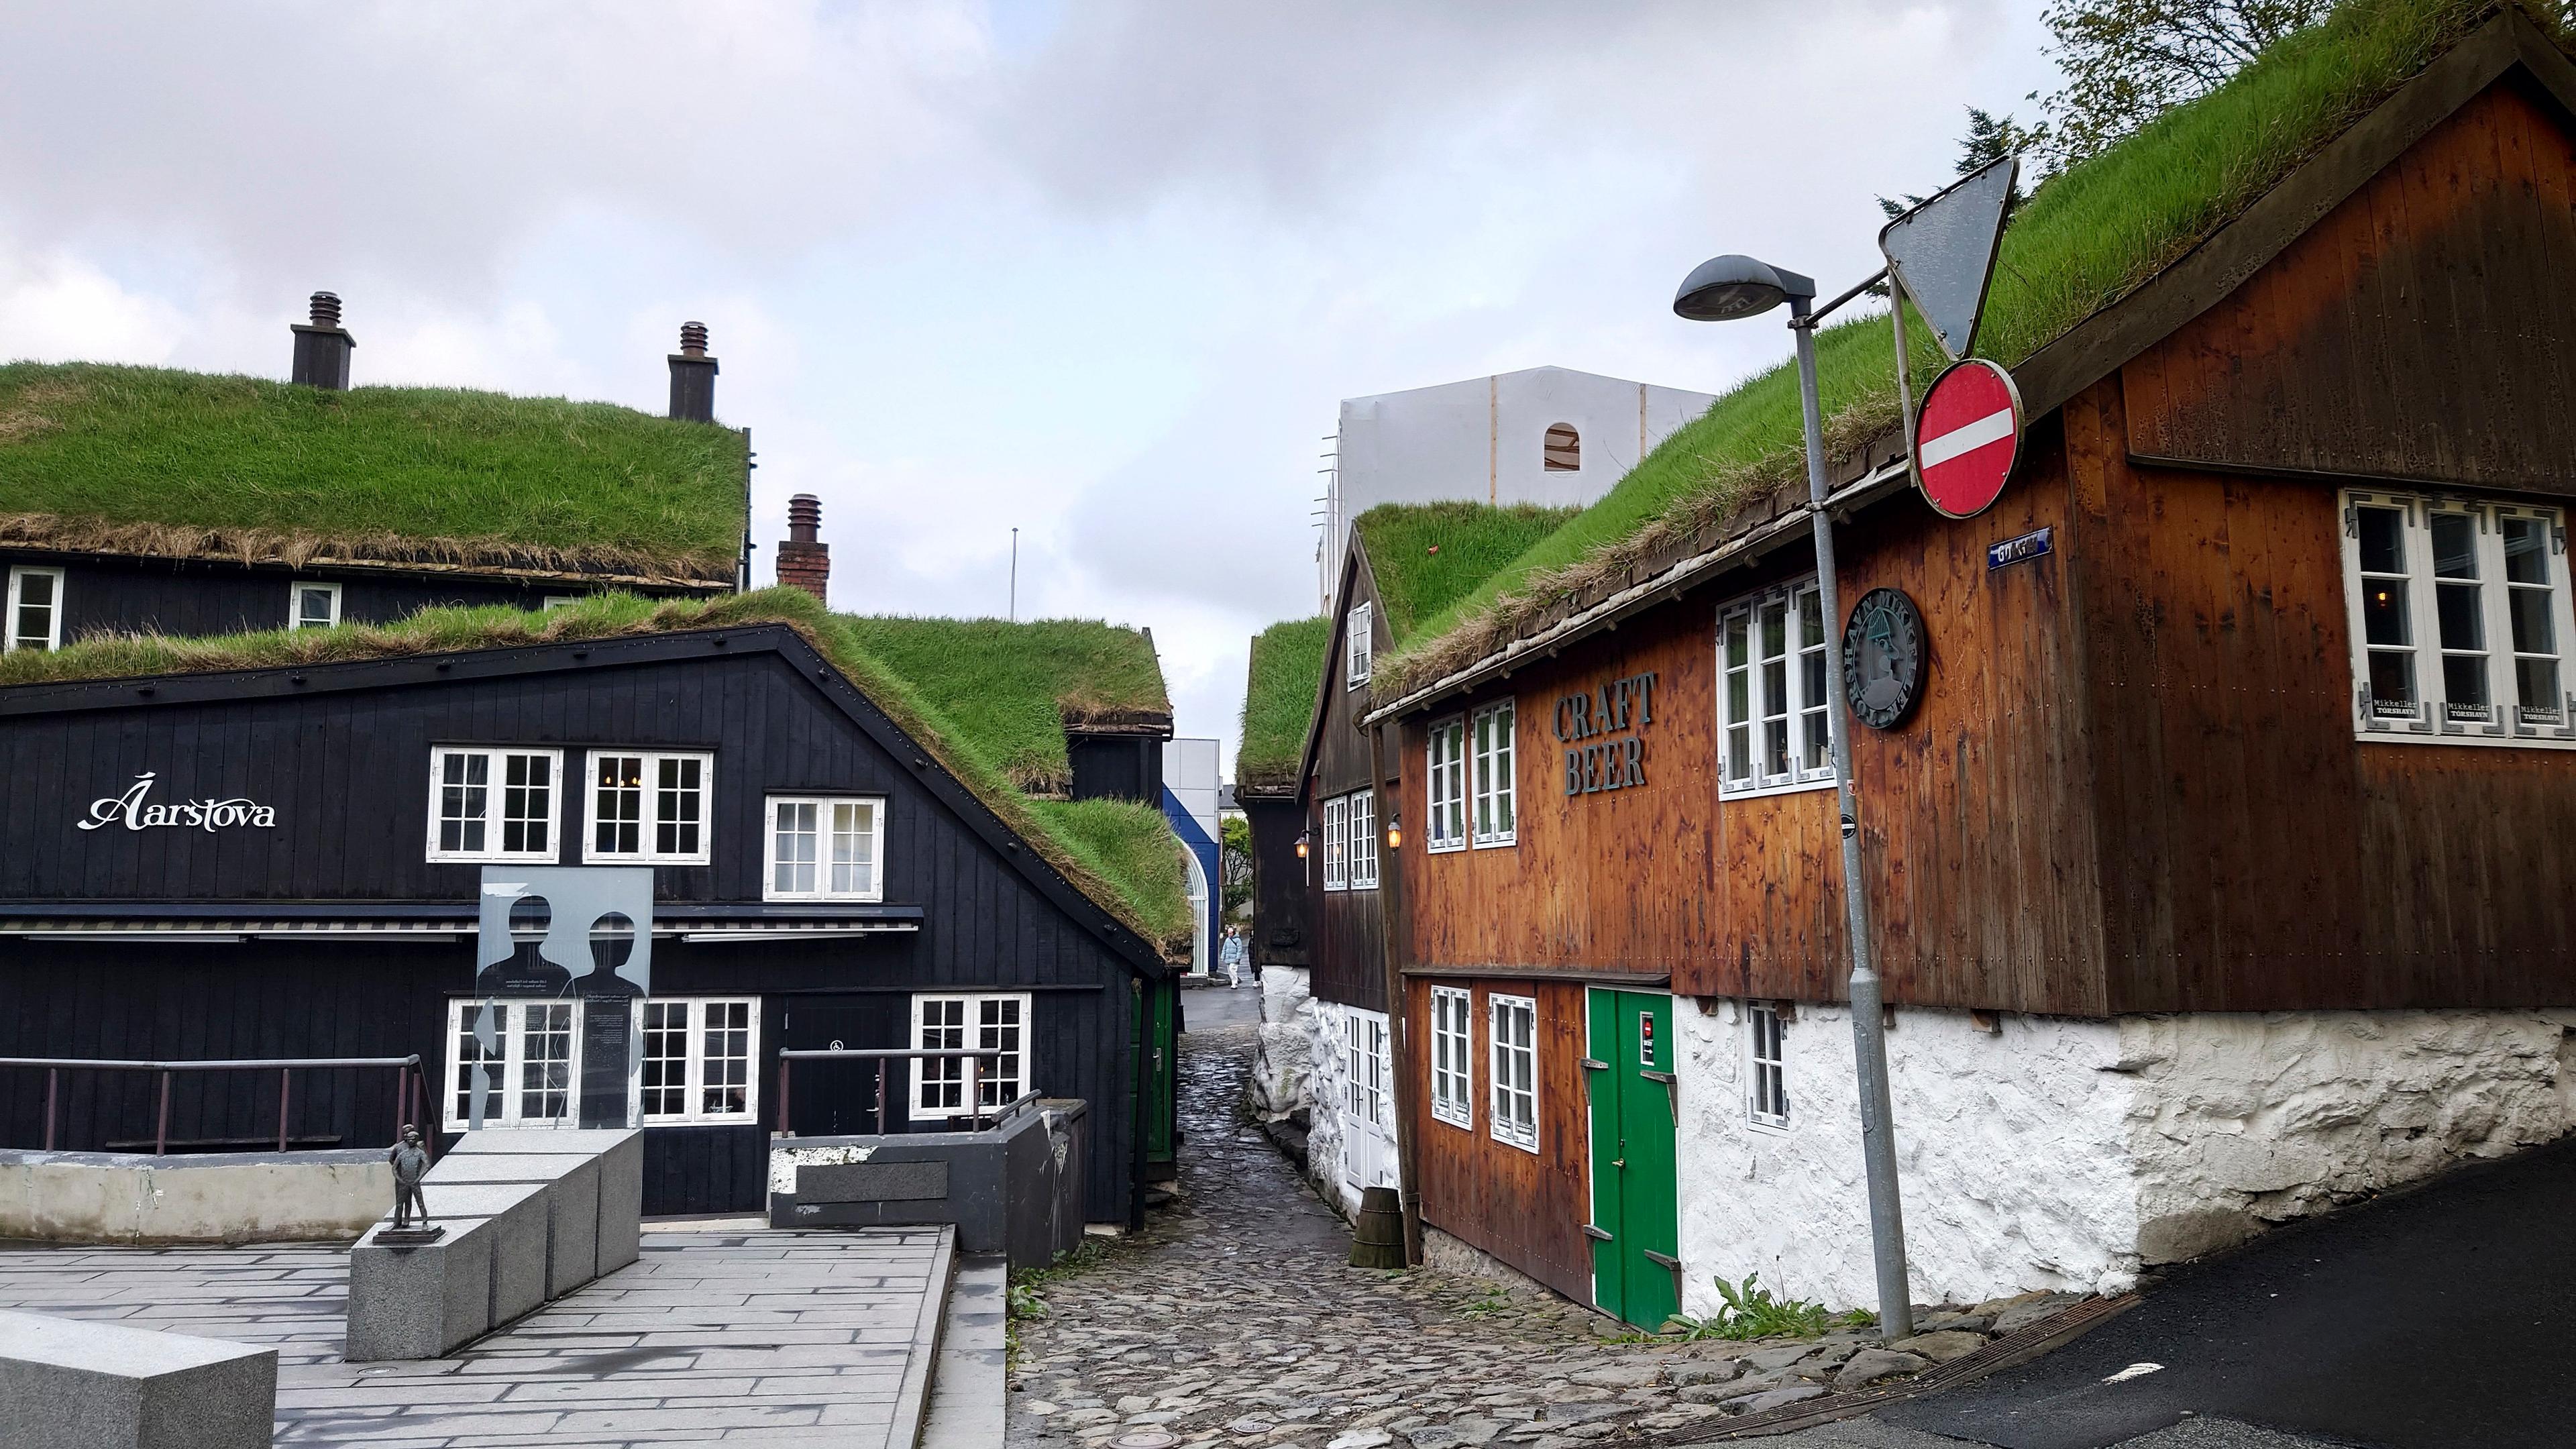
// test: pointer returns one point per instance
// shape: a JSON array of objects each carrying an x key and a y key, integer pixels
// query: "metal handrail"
[
  {"x": 412, "y": 1089},
  {"x": 974, "y": 1094}
]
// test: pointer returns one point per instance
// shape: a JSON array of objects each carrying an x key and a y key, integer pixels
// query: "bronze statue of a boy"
[{"x": 411, "y": 1163}]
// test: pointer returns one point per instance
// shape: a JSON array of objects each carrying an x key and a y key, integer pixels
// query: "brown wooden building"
[{"x": 2255, "y": 693}]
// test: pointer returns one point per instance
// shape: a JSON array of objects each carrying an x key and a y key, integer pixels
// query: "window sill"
[
  {"x": 1530, "y": 1147},
  {"x": 1790, "y": 787},
  {"x": 749, "y": 1120},
  {"x": 1443, "y": 847},
  {"x": 1463, "y": 1122},
  {"x": 873, "y": 898},
  {"x": 443, "y": 858},
  {"x": 596, "y": 858},
  {"x": 1768, "y": 1129},
  {"x": 2394, "y": 733},
  {"x": 1496, "y": 842}
]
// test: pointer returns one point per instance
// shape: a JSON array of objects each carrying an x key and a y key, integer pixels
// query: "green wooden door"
[
  {"x": 1158, "y": 1074},
  {"x": 1635, "y": 1228}
]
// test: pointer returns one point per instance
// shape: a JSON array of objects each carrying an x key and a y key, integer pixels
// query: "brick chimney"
[
  {"x": 804, "y": 560},
  {"x": 322, "y": 347},
  {"x": 693, "y": 376}
]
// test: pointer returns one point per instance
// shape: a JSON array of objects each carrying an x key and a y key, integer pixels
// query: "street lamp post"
[{"x": 1725, "y": 289}]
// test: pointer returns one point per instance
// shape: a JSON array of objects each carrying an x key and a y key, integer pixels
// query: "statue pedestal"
[{"x": 408, "y": 1237}]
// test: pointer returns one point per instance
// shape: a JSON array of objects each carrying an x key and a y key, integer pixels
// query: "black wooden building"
[{"x": 838, "y": 882}]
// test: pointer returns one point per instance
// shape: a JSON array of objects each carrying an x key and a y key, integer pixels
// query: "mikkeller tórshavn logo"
[{"x": 130, "y": 810}]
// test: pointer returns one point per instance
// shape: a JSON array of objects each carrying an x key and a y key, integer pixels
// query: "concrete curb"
[
  {"x": 2055, "y": 1331},
  {"x": 912, "y": 1402},
  {"x": 966, "y": 1389}
]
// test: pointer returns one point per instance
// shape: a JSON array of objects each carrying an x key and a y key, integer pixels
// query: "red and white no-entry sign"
[{"x": 1965, "y": 437}]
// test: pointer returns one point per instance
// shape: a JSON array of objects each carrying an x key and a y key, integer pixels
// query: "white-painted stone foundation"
[
  {"x": 2060, "y": 1153},
  {"x": 1283, "y": 1056}
]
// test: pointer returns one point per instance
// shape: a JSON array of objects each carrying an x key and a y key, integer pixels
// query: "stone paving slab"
[{"x": 753, "y": 1338}]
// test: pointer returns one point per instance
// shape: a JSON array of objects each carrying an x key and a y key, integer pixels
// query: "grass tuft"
[{"x": 1015, "y": 687}]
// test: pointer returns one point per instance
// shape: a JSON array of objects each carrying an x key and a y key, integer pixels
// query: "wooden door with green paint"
[{"x": 1636, "y": 1215}]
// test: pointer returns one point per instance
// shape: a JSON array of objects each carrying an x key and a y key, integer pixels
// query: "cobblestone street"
[{"x": 1234, "y": 1319}]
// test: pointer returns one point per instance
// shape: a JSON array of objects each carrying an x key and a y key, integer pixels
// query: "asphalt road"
[{"x": 2443, "y": 1318}]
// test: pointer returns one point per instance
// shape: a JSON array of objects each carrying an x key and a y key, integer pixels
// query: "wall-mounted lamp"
[
  {"x": 1301, "y": 843},
  {"x": 1394, "y": 833}
]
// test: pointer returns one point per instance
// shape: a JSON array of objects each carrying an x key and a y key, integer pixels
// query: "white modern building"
[{"x": 1544, "y": 435}]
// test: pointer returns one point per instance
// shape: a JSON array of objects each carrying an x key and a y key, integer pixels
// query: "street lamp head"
[{"x": 1728, "y": 288}]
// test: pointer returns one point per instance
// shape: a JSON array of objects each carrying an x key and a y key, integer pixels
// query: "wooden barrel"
[{"x": 1377, "y": 1238}]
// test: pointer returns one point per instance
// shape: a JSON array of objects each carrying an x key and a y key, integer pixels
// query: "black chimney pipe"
[
  {"x": 322, "y": 347},
  {"x": 693, "y": 376}
]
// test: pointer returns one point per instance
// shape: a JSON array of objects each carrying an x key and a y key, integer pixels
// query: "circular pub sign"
[
  {"x": 1883, "y": 658},
  {"x": 1966, "y": 435}
]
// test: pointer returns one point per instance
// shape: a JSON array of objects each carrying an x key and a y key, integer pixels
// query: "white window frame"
[
  {"x": 1506, "y": 1122},
  {"x": 1494, "y": 774},
  {"x": 1337, "y": 860},
  {"x": 1363, "y": 840},
  {"x": 1359, "y": 645},
  {"x": 1766, "y": 1063},
  {"x": 552, "y": 602},
  {"x": 825, "y": 832},
  {"x": 497, "y": 760},
  {"x": 508, "y": 1095},
  {"x": 649, "y": 820},
  {"x": 1800, "y": 699},
  {"x": 1453, "y": 1056},
  {"x": 2433, "y": 719},
  {"x": 295, "y": 593},
  {"x": 695, "y": 1059},
  {"x": 1444, "y": 777},
  {"x": 9, "y": 641},
  {"x": 974, "y": 1031}
]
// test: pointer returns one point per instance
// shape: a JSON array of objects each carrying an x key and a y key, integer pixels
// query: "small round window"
[{"x": 1564, "y": 449}]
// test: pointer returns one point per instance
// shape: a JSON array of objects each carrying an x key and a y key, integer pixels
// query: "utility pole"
[{"x": 1015, "y": 576}]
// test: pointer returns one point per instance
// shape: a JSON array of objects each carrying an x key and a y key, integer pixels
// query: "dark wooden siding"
[
  {"x": 1116, "y": 766},
  {"x": 1279, "y": 914},
  {"x": 204, "y": 596},
  {"x": 1622, "y": 880},
  {"x": 2421, "y": 330},
  {"x": 347, "y": 773},
  {"x": 1528, "y": 1209},
  {"x": 2257, "y": 857},
  {"x": 1347, "y": 946}
]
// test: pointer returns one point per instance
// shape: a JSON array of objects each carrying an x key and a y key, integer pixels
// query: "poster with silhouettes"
[{"x": 564, "y": 959}]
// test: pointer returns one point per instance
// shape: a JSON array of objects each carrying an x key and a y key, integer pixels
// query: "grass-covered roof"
[
  {"x": 2085, "y": 239},
  {"x": 1121, "y": 854},
  {"x": 1426, "y": 556},
  {"x": 1286, "y": 670},
  {"x": 158, "y": 461},
  {"x": 1016, "y": 687}
]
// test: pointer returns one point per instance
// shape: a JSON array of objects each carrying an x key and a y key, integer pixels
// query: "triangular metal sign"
[{"x": 1943, "y": 252}]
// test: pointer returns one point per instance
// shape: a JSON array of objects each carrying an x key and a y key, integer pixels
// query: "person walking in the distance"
[{"x": 1230, "y": 955}]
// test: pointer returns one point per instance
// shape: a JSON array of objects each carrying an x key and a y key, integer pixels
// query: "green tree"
[
  {"x": 2126, "y": 60},
  {"x": 1234, "y": 863}
]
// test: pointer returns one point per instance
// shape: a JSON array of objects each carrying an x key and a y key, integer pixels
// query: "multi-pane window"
[
  {"x": 1772, "y": 692},
  {"x": 492, "y": 805},
  {"x": 1358, "y": 646},
  {"x": 649, "y": 807},
  {"x": 1362, "y": 814},
  {"x": 1769, "y": 1102},
  {"x": 825, "y": 849},
  {"x": 1496, "y": 820},
  {"x": 697, "y": 1061},
  {"x": 527, "y": 1075},
  {"x": 313, "y": 606},
  {"x": 2460, "y": 620},
  {"x": 1453, "y": 1043},
  {"x": 1513, "y": 1027},
  {"x": 1337, "y": 844},
  {"x": 35, "y": 609},
  {"x": 997, "y": 1024},
  {"x": 1445, "y": 787}
]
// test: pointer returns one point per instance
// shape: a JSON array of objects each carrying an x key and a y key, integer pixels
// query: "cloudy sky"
[{"x": 1099, "y": 270}]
